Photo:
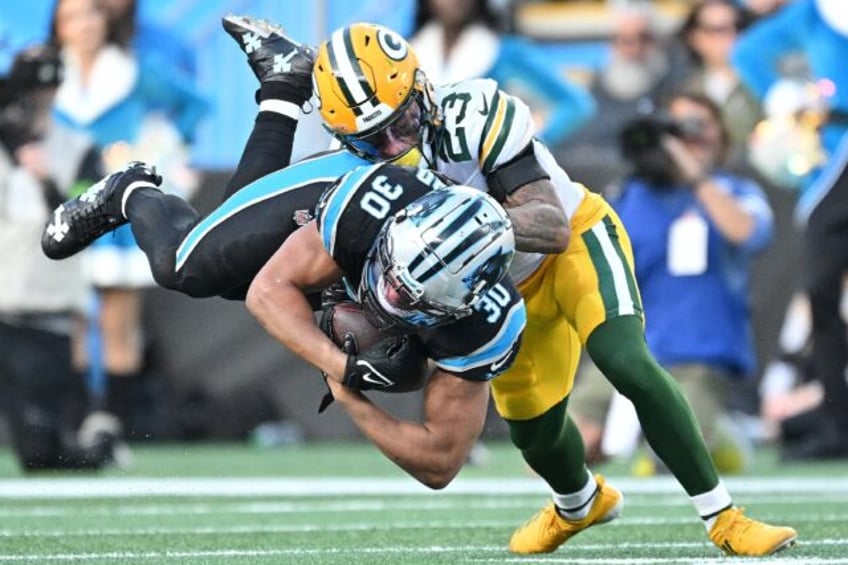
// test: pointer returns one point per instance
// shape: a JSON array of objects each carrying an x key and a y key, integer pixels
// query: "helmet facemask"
[
  {"x": 433, "y": 261},
  {"x": 392, "y": 299},
  {"x": 411, "y": 125}
]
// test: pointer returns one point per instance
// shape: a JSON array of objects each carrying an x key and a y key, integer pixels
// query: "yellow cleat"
[
  {"x": 736, "y": 534},
  {"x": 547, "y": 530}
]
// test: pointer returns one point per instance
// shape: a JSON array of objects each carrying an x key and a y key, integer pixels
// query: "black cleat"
[
  {"x": 81, "y": 220},
  {"x": 272, "y": 54}
]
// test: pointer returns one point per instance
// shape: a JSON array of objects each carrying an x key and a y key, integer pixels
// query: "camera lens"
[{"x": 691, "y": 128}]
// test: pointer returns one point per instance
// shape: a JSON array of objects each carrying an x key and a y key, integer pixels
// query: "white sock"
[
  {"x": 129, "y": 190},
  {"x": 712, "y": 503},
  {"x": 576, "y": 505}
]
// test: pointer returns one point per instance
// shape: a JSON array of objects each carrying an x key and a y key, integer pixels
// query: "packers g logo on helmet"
[
  {"x": 362, "y": 75},
  {"x": 393, "y": 44}
]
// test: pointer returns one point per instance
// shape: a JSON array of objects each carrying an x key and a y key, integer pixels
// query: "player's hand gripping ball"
[{"x": 376, "y": 361}]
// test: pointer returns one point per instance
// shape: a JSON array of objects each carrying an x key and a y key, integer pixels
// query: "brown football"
[{"x": 347, "y": 318}]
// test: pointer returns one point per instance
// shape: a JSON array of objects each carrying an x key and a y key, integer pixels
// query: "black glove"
[
  {"x": 348, "y": 347},
  {"x": 332, "y": 295},
  {"x": 390, "y": 365}
]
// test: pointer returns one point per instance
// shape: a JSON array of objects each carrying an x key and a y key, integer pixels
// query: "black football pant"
[
  {"x": 226, "y": 261},
  {"x": 36, "y": 378},
  {"x": 826, "y": 256}
]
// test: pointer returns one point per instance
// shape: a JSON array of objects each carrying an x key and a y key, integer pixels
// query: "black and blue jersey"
[
  {"x": 351, "y": 214},
  {"x": 221, "y": 253}
]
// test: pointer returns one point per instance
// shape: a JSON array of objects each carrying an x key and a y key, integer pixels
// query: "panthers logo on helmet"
[{"x": 434, "y": 259}]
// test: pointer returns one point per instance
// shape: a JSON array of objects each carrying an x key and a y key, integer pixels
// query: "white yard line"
[
  {"x": 225, "y": 554},
  {"x": 106, "y": 487},
  {"x": 60, "y": 507},
  {"x": 264, "y": 528},
  {"x": 505, "y": 494}
]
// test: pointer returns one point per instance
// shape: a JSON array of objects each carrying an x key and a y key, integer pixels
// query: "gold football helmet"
[{"x": 371, "y": 93}]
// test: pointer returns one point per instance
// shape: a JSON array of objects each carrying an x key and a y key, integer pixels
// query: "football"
[{"x": 347, "y": 319}]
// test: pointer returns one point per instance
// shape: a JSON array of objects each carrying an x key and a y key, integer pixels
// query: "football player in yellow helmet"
[
  {"x": 372, "y": 95},
  {"x": 376, "y": 101},
  {"x": 573, "y": 264}
]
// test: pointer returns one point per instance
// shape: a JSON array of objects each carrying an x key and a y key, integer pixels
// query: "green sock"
[
  {"x": 618, "y": 349},
  {"x": 552, "y": 446}
]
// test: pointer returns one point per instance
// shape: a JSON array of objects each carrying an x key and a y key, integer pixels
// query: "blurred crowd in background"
[{"x": 717, "y": 128}]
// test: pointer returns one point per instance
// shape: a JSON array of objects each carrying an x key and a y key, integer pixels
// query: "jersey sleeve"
[
  {"x": 484, "y": 344},
  {"x": 351, "y": 213},
  {"x": 346, "y": 231},
  {"x": 495, "y": 126}
]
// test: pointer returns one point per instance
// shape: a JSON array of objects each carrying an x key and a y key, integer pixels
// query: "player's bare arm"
[
  {"x": 277, "y": 298},
  {"x": 538, "y": 219},
  {"x": 433, "y": 451}
]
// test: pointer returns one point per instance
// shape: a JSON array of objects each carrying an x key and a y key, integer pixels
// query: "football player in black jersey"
[
  {"x": 482, "y": 136},
  {"x": 422, "y": 257}
]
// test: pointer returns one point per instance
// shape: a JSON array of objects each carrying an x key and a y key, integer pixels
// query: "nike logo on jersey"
[
  {"x": 485, "y": 110},
  {"x": 496, "y": 366}
]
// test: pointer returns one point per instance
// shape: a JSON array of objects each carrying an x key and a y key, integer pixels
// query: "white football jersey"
[{"x": 484, "y": 128}]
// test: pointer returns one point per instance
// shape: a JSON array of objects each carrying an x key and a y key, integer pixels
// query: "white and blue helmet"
[{"x": 434, "y": 259}]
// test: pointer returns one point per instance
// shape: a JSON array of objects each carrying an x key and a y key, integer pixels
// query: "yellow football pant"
[{"x": 568, "y": 296}]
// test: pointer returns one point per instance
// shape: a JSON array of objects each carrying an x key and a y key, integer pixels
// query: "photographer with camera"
[
  {"x": 695, "y": 230},
  {"x": 41, "y": 301}
]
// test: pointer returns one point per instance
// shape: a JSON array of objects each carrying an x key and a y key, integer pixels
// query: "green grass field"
[{"x": 332, "y": 503}]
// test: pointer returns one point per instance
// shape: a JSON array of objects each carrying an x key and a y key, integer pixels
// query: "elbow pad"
[{"x": 522, "y": 169}]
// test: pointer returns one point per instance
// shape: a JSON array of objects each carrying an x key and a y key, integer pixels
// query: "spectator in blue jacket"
[
  {"x": 695, "y": 229},
  {"x": 461, "y": 39},
  {"x": 819, "y": 30}
]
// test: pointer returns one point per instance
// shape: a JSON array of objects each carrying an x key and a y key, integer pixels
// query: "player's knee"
[
  {"x": 162, "y": 268},
  {"x": 194, "y": 279},
  {"x": 631, "y": 371},
  {"x": 200, "y": 275}
]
